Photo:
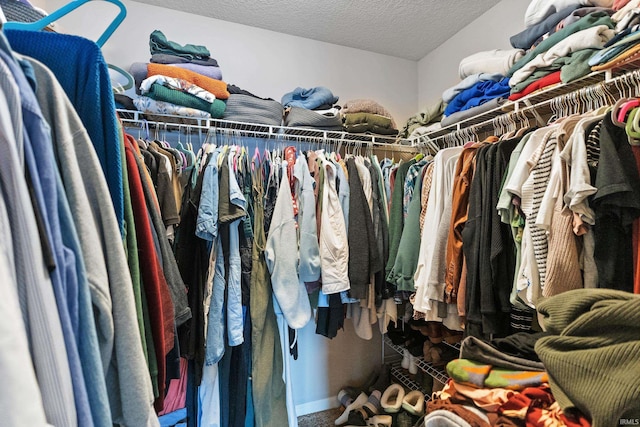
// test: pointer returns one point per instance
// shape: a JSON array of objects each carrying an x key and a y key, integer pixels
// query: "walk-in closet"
[{"x": 283, "y": 213}]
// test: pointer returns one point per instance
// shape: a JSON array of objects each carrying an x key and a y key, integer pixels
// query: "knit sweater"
[
  {"x": 594, "y": 37},
  {"x": 367, "y": 106},
  {"x": 158, "y": 43},
  {"x": 216, "y": 87},
  {"x": 592, "y": 20},
  {"x": 85, "y": 78},
  {"x": 176, "y": 97},
  {"x": 592, "y": 356}
]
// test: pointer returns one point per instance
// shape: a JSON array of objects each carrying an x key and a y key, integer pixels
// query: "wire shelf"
[
  {"x": 437, "y": 373},
  {"x": 403, "y": 379},
  {"x": 186, "y": 124},
  {"x": 540, "y": 106}
]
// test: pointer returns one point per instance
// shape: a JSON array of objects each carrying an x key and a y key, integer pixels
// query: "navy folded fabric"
[{"x": 526, "y": 38}]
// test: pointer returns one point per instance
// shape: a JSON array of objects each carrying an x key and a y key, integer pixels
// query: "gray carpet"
[{"x": 320, "y": 419}]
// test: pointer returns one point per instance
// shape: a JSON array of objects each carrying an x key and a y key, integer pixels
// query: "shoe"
[
  {"x": 426, "y": 351},
  {"x": 436, "y": 355},
  {"x": 405, "y": 359},
  {"x": 347, "y": 395},
  {"x": 371, "y": 380},
  {"x": 358, "y": 402},
  {"x": 413, "y": 403},
  {"x": 435, "y": 332},
  {"x": 372, "y": 407},
  {"x": 450, "y": 336},
  {"x": 413, "y": 365},
  {"x": 356, "y": 419},
  {"x": 404, "y": 420},
  {"x": 391, "y": 400},
  {"x": 380, "y": 421},
  {"x": 383, "y": 381}
]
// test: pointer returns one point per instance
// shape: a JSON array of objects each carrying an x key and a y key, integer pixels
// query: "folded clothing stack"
[
  {"x": 366, "y": 115},
  {"x": 329, "y": 119},
  {"x": 539, "y": 10},
  {"x": 580, "y": 43},
  {"x": 579, "y": 36},
  {"x": 180, "y": 80},
  {"x": 496, "y": 61},
  {"x": 621, "y": 48},
  {"x": 312, "y": 108},
  {"x": 423, "y": 121},
  {"x": 479, "y": 93},
  {"x": 245, "y": 107},
  {"x": 180, "y": 88},
  {"x": 369, "y": 122},
  {"x": 164, "y": 51}
]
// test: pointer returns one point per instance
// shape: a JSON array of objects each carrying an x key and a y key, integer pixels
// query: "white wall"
[
  {"x": 270, "y": 64},
  {"x": 439, "y": 69},
  {"x": 266, "y": 63}
]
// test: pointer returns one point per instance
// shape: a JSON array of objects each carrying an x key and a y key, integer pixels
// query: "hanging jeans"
[{"x": 269, "y": 395}]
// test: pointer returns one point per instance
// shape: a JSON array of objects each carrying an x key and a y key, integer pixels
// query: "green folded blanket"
[{"x": 162, "y": 93}]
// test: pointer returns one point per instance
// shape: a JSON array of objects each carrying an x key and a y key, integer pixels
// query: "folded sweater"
[
  {"x": 431, "y": 114},
  {"x": 308, "y": 98},
  {"x": 177, "y": 84},
  {"x": 216, "y": 87},
  {"x": 147, "y": 105},
  {"x": 165, "y": 94},
  {"x": 590, "y": 38},
  {"x": 538, "y": 10},
  {"x": 158, "y": 43},
  {"x": 496, "y": 61},
  {"x": 301, "y": 117},
  {"x": 250, "y": 109},
  {"x": 166, "y": 58},
  {"x": 367, "y": 122},
  {"x": 367, "y": 106},
  {"x": 591, "y": 20},
  {"x": 452, "y": 92},
  {"x": 472, "y": 112},
  {"x": 478, "y": 94},
  {"x": 207, "y": 71},
  {"x": 526, "y": 38}
]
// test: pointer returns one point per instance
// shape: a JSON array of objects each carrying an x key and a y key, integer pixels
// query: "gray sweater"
[{"x": 126, "y": 372}]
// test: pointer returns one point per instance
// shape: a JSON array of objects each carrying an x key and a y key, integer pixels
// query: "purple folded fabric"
[{"x": 205, "y": 70}]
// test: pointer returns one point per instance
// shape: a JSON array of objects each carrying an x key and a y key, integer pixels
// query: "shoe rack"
[
  {"x": 401, "y": 377},
  {"x": 437, "y": 373}
]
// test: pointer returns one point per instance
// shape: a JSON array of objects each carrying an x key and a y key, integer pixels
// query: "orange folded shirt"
[{"x": 216, "y": 87}]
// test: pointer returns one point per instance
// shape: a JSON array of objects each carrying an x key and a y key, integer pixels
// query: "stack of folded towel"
[
  {"x": 312, "y": 108},
  {"x": 366, "y": 115},
  {"x": 180, "y": 80}
]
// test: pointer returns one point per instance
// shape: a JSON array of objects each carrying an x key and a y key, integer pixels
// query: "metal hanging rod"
[
  {"x": 581, "y": 99},
  {"x": 172, "y": 122}
]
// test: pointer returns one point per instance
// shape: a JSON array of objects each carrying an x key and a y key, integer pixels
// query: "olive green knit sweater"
[{"x": 593, "y": 356}]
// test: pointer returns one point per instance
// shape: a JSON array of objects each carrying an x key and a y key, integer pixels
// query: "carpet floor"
[{"x": 320, "y": 419}]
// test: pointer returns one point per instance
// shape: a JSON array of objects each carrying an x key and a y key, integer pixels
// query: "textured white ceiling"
[{"x": 404, "y": 28}]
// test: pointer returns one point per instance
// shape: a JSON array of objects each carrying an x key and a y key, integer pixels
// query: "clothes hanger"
[
  {"x": 632, "y": 133},
  {"x": 626, "y": 108},
  {"x": 66, "y": 9},
  {"x": 117, "y": 86}
]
